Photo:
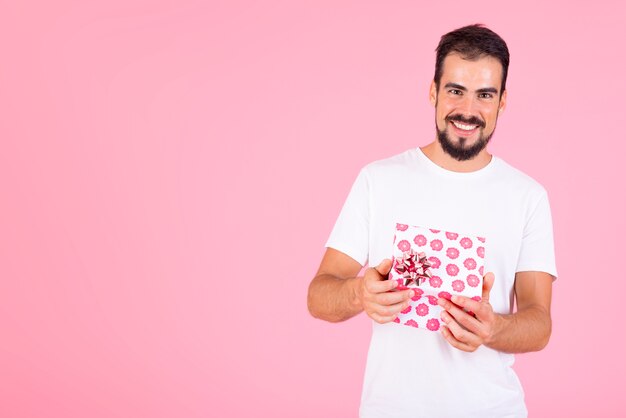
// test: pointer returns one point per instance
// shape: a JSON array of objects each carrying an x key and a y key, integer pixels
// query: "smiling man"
[
  {"x": 472, "y": 132},
  {"x": 452, "y": 184}
]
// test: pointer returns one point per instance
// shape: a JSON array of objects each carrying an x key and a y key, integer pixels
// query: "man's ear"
[
  {"x": 432, "y": 96},
  {"x": 502, "y": 105}
]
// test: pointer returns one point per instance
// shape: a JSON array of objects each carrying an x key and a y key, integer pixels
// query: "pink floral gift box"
[{"x": 436, "y": 264}]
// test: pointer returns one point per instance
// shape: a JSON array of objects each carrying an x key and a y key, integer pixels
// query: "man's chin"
[{"x": 461, "y": 148}]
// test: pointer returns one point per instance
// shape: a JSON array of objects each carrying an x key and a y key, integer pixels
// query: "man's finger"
[
  {"x": 374, "y": 284},
  {"x": 460, "y": 316},
  {"x": 379, "y": 272},
  {"x": 391, "y": 298},
  {"x": 464, "y": 302},
  {"x": 459, "y": 332},
  {"x": 447, "y": 334},
  {"x": 384, "y": 267},
  {"x": 487, "y": 285},
  {"x": 390, "y": 310},
  {"x": 382, "y": 319}
]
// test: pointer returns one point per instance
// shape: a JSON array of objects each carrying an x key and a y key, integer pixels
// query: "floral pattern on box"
[{"x": 436, "y": 264}]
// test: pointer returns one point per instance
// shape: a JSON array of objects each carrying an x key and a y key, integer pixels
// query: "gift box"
[{"x": 436, "y": 264}]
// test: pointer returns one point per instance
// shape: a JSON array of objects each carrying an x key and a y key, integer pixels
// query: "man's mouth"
[{"x": 464, "y": 127}]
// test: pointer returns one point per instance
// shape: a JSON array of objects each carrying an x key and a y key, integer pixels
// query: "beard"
[{"x": 459, "y": 151}]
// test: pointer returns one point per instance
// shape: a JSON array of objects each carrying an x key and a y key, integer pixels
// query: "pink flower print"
[
  {"x": 420, "y": 240},
  {"x": 406, "y": 310},
  {"x": 477, "y": 298},
  {"x": 397, "y": 320},
  {"x": 432, "y": 300},
  {"x": 481, "y": 252},
  {"x": 452, "y": 253},
  {"x": 435, "y": 281},
  {"x": 418, "y": 294},
  {"x": 466, "y": 243},
  {"x": 481, "y": 270},
  {"x": 445, "y": 295},
  {"x": 432, "y": 324},
  {"x": 434, "y": 262},
  {"x": 412, "y": 323},
  {"x": 473, "y": 280},
  {"x": 452, "y": 235},
  {"x": 435, "y": 231},
  {"x": 436, "y": 245},
  {"x": 404, "y": 245},
  {"x": 470, "y": 263},
  {"x": 402, "y": 227},
  {"x": 458, "y": 285},
  {"x": 422, "y": 309},
  {"x": 481, "y": 239},
  {"x": 452, "y": 269}
]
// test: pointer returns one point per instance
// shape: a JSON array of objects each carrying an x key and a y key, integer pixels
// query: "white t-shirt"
[{"x": 417, "y": 373}]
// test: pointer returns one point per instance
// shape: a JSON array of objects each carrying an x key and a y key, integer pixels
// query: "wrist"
[
  {"x": 356, "y": 288},
  {"x": 496, "y": 329}
]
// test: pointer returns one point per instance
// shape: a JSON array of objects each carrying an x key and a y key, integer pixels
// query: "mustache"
[{"x": 472, "y": 120}]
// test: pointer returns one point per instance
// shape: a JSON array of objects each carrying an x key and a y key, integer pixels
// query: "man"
[{"x": 452, "y": 184}]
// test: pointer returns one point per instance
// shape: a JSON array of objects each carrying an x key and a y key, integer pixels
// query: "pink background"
[{"x": 170, "y": 171}]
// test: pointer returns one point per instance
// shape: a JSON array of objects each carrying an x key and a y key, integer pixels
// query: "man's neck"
[{"x": 437, "y": 155}]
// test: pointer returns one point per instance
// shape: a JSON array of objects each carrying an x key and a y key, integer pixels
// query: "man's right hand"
[{"x": 377, "y": 298}]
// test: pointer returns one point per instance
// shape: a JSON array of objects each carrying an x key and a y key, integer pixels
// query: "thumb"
[
  {"x": 487, "y": 285},
  {"x": 384, "y": 267}
]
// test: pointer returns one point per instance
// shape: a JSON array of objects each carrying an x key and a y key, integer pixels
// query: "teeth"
[{"x": 464, "y": 127}]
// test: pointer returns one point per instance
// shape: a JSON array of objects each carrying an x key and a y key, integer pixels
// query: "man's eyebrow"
[
  {"x": 455, "y": 86},
  {"x": 488, "y": 90}
]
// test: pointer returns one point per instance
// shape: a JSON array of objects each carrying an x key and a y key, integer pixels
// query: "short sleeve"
[
  {"x": 350, "y": 234},
  {"x": 537, "y": 250}
]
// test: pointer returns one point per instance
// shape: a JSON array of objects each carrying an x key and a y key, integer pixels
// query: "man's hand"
[
  {"x": 463, "y": 330},
  {"x": 377, "y": 299}
]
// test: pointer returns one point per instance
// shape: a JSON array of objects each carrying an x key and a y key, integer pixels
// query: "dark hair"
[{"x": 472, "y": 42}]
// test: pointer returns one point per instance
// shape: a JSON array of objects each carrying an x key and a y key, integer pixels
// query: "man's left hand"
[{"x": 463, "y": 330}]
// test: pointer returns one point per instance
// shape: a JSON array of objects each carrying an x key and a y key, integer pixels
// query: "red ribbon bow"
[{"x": 413, "y": 267}]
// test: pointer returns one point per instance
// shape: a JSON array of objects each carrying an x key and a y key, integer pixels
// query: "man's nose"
[{"x": 467, "y": 107}]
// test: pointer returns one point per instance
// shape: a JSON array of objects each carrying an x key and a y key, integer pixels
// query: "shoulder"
[
  {"x": 390, "y": 166},
  {"x": 517, "y": 181}
]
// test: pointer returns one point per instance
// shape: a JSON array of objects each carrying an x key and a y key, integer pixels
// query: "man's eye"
[
  {"x": 455, "y": 91},
  {"x": 485, "y": 95}
]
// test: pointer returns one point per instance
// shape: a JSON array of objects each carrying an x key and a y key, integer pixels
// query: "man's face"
[{"x": 467, "y": 104}]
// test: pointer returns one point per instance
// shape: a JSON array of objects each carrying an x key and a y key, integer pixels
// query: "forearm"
[
  {"x": 526, "y": 330},
  {"x": 334, "y": 299}
]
